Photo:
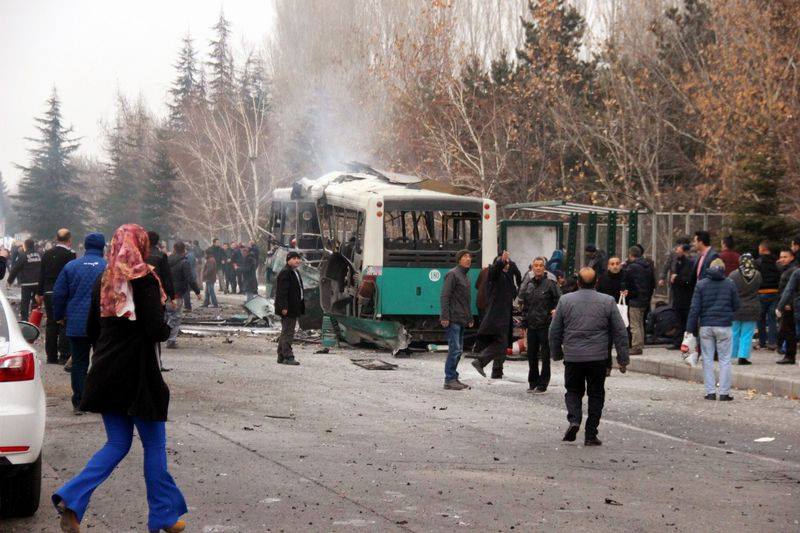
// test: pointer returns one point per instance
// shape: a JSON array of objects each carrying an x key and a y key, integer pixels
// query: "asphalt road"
[{"x": 329, "y": 446}]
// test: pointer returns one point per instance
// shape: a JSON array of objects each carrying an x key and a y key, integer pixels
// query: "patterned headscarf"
[
  {"x": 126, "y": 261},
  {"x": 747, "y": 266}
]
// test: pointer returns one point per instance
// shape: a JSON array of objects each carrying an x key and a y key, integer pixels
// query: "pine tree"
[
  {"x": 221, "y": 84},
  {"x": 159, "y": 195},
  {"x": 48, "y": 197},
  {"x": 185, "y": 89},
  {"x": 120, "y": 202},
  {"x": 6, "y": 212},
  {"x": 757, "y": 210}
]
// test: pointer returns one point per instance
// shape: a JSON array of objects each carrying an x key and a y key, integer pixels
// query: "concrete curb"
[{"x": 776, "y": 386}]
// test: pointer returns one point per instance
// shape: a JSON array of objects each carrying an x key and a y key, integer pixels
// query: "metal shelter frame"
[{"x": 574, "y": 211}]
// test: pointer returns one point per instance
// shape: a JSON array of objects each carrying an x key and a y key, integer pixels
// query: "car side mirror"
[{"x": 29, "y": 332}]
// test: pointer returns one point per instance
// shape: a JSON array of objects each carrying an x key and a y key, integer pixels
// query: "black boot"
[{"x": 786, "y": 361}]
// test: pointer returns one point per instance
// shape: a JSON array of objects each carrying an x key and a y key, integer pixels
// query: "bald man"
[
  {"x": 584, "y": 324},
  {"x": 56, "y": 344}
]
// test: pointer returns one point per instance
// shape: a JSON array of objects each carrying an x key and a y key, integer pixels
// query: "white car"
[{"x": 22, "y": 416}]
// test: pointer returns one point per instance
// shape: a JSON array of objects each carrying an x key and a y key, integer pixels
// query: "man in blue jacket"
[
  {"x": 714, "y": 302},
  {"x": 72, "y": 298}
]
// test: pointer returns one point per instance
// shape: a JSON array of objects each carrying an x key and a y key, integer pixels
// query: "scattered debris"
[
  {"x": 609, "y": 501},
  {"x": 765, "y": 439},
  {"x": 323, "y": 350},
  {"x": 283, "y": 417},
  {"x": 374, "y": 364}
]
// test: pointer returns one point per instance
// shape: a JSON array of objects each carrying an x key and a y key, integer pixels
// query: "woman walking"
[
  {"x": 748, "y": 281},
  {"x": 124, "y": 384}
]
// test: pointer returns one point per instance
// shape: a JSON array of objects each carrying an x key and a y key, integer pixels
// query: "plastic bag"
[
  {"x": 689, "y": 349},
  {"x": 622, "y": 305}
]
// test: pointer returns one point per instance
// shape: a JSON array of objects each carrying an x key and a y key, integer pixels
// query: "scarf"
[
  {"x": 747, "y": 266},
  {"x": 126, "y": 262}
]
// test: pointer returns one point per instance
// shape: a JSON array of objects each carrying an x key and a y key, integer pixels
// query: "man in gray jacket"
[
  {"x": 455, "y": 315},
  {"x": 583, "y": 324}
]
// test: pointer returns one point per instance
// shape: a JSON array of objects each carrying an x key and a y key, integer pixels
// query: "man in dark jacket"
[
  {"x": 227, "y": 269},
  {"x": 787, "y": 333},
  {"x": 72, "y": 298},
  {"x": 218, "y": 255},
  {"x": 28, "y": 270},
  {"x": 237, "y": 262},
  {"x": 455, "y": 315},
  {"x": 249, "y": 268},
  {"x": 768, "y": 295},
  {"x": 705, "y": 253},
  {"x": 682, "y": 282},
  {"x": 582, "y": 326},
  {"x": 56, "y": 344},
  {"x": 183, "y": 281},
  {"x": 158, "y": 259},
  {"x": 714, "y": 302},
  {"x": 501, "y": 290},
  {"x": 612, "y": 283},
  {"x": 639, "y": 283},
  {"x": 539, "y": 298},
  {"x": 290, "y": 304},
  {"x": 595, "y": 259}
]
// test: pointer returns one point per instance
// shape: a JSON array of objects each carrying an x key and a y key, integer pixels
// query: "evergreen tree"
[
  {"x": 221, "y": 85},
  {"x": 757, "y": 210},
  {"x": 48, "y": 197},
  {"x": 6, "y": 213},
  {"x": 185, "y": 89},
  {"x": 120, "y": 202},
  {"x": 159, "y": 195}
]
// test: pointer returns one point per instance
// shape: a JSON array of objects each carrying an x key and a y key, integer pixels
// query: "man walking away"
[
  {"x": 584, "y": 323},
  {"x": 714, "y": 303},
  {"x": 210, "y": 279},
  {"x": 494, "y": 328},
  {"x": 158, "y": 259},
  {"x": 249, "y": 278},
  {"x": 72, "y": 299},
  {"x": 539, "y": 298},
  {"x": 290, "y": 303},
  {"x": 768, "y": 296},
  {"x": 729, "y": 255},
  {"x": 455, "y": 316},
  {"x": 28, "y": 269},
  {"x": 183, "y": 281},
  {"x": 56, "y": 344},
  {"x": 639, "y": 282},
  {"x": 747, "y": 280},
  {"x": 218, "y": 255},
  {"x": 787, "y": 332}
]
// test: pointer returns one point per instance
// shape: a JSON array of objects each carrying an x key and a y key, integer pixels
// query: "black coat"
[
  {"x": 159, "y": 260},
  {"x": 640, "y": 283},
  {"x": 770, "y": 274},
  {"x": 288, "y": 293},
  {"x": 611, "y": 284},
  {"x": 684, "y": 283},
  {"x": 125, "y": 377},
  {"x": 539, "y": 298},
  {"x": 53, "y": 262},
  {"x": 500, "y": 293},
  {"x": 183, "y": 278},
  {"x": 249, "y": 274}
]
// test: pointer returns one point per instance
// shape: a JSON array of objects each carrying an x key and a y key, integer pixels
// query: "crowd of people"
[{"x": 725, "y": 302}]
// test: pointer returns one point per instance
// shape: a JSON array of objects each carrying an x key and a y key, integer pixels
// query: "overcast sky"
[{"x": 89, "y": 49}]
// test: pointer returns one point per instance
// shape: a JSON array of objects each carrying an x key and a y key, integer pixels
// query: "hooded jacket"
[
  {"x": 72, "y": 293},
  {"x": 714, "y": 302}
]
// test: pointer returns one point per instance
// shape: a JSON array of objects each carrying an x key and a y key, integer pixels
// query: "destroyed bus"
[{"x": 377, "y": 246}]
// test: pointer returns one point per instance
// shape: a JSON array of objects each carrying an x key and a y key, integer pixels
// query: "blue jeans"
[
  {"x": 164, "y": 498},
  {"x": 455, "y": 347},
  {"x": 80, "y": 348},
  {"x": 211, "y": 296},
  {"x": 742, "y": 342},
  {"x": 767, "y": 322},
  {"x": 716, "y": 339}
]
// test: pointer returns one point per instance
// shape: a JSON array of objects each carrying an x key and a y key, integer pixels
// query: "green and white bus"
[{"x": 382, "y": 244}]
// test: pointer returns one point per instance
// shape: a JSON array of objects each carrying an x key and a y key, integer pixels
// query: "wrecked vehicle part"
[{"x": 382, "y": 333}]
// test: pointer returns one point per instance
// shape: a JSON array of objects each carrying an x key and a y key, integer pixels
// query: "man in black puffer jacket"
[
  {"x": 639, "y": 280},
  {"x": 539, "y": 300},
  {"x": 27, "y": 269},
  {"x": 183, "y": 281},
  {"x": 56, "y": 343},
  {"x": 768, "y": 295}
]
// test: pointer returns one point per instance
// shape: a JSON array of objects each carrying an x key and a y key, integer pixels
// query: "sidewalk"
[{"x": 763, "y": 375}]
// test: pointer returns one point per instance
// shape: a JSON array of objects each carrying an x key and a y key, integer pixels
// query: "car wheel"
[{"x": 19, "y": 494}]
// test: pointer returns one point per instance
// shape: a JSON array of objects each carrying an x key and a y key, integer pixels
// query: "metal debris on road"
[
  {"x": 374, "y": 364},
  {"x": 765, "y": 439}
]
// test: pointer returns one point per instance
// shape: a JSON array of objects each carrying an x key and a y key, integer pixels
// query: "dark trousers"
[
  {"x": 788, "y": 334},
  {"x": 187, "y": 300},
  {"x": 538, "y": 348},
  {"x": 288, "y": 325},
  {"x": 230, "y": 279},
  {"x": 585, "y": 378},
  {"x": 683, "y": 317},
  {"x": 495, "y": 351},
  {"x": 56, "y": 343},
  {"x": 27, "y": 294},
  {"x": 240, "y": 280},
  {"x": 80, "y": 347}
]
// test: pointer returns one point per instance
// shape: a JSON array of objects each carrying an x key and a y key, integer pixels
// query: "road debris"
[{"x": 374, "y": 364}]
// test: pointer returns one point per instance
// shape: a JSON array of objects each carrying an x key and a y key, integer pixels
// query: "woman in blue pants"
[{"x": 124, "y": 384}]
